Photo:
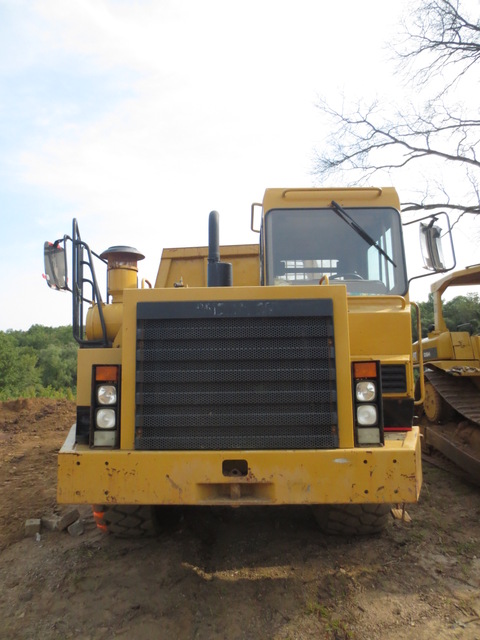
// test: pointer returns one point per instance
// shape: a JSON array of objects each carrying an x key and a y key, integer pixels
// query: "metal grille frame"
[{"x": 226, "y": 375}]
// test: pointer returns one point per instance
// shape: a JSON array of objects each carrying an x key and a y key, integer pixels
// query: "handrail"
[
  {"x": 78, "y": 263},
  {"x": 419, "y": 356}
]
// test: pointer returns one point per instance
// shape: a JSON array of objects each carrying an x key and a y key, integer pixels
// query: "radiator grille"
[
  {"x": 235, "y": 375},
  {"x": 394, "y": 378}
]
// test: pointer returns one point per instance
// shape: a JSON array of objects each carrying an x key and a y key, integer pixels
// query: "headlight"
[
  {"x": 107, "y": 394},
  {"x": 104, "y": 438},
  {"x": 106, "y": 419},
  {"x": 369, "y": 435},
  {"x": 365, "y": 391},
  {"x": 367, "y": 415}
]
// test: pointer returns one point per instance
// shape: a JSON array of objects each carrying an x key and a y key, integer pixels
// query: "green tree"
[
  {"x": 458, "y": 311},
  {"x": 57, "y": 354},
  {"x": 57, "y": 366},
  {"x": 18, "y": 373},
  {"x": 463, "y": 310},
  {"x": 37, "y": 362},
  {"x": 426, "y": 315}
]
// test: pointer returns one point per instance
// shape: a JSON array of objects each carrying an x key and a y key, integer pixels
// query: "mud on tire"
[{"x": 352, "y": 519}]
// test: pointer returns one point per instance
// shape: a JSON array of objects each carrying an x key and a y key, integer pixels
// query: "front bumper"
[{"x": 391, "y": 473}]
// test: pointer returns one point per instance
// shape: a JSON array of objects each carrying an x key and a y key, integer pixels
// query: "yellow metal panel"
[
  {"x": 307, "y": 198},
  {"x": 189, "y": 265},
  {"x": 461, "y": 345},
  {"x": 476, "y": 347},
  {"x": 387, "y": 474},
  {"x": 463, "y": 277},
  {"x": 468, "y": 368},
  {"x": 437, "y": 347},
  {"x": 380, "y": 327},
  {"x": 112, "y": 314},
  {"x": 86, "y": 359}
]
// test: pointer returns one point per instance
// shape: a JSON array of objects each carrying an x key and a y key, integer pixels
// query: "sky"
[{"x": 139, "y": 117}]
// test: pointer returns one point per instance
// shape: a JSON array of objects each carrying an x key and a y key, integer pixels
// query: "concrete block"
[
  {"x": 50, "y": 523},
  {"x": 32, "y": 526},
  {"x": 76, "y": 528},
  {"x": 66, "y": 519}
]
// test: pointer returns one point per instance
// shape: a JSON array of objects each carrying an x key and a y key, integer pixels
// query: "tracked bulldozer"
[{"x": 451, "y": 381}]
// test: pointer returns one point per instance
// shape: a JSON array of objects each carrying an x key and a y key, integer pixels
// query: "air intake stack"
[{"x": 121, "y": 269}]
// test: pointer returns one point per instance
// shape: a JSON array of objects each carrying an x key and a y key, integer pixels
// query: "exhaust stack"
[{"x": 219, "y": 274}]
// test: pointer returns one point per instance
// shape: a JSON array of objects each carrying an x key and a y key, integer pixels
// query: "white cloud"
[{"x": 205, "y": 105}]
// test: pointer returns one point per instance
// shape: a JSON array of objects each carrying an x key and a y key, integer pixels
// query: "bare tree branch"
[
  {"x": 443, "y": 40},
  {"x": 420, "y": 206},
  {"x": 439, "y": 37}
]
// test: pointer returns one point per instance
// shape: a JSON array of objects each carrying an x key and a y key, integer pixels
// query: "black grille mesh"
[
  {"x": 394, "y": 378},
  {"x": 225, "y": 378}
]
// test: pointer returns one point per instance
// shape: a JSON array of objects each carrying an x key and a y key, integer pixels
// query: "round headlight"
[
  {"x": 366, "y": 414},
  {"x": 106, "y": 419},
  {"x": 365, "y": 391},
  {"x": 107, "y": 394}
]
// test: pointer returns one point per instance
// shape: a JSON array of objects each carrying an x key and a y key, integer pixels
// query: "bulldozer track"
[
  {"x": 459, "y": 392},
  {"x": 437, "y": 460}
]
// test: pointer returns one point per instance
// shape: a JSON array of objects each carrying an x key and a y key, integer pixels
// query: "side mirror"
[
  {"x": 431, "y": 246},
  {"x": 55, "y": 266},
  {"x": 255, "y": 223}
]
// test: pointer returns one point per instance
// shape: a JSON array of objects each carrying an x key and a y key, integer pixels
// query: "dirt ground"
[{"x": 228, "y": 574}]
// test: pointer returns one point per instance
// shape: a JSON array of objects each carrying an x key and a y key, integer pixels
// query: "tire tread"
[{"x": 352, "y": 519}]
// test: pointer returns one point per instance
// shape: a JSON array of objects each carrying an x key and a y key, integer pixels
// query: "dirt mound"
[
  {"x": 220, "y": 573},
  {"x": 31, "y": 432}
]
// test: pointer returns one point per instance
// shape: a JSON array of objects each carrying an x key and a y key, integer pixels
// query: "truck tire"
[
  {"x": 352, "y": 519},
  {"x": 125, "y": 521}
]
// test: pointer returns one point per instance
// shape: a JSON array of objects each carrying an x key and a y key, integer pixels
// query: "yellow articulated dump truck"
[{"x": 278, "y": 373}]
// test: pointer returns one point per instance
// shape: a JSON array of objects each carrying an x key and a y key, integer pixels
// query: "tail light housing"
[
  {"x": 367, "y": 402},
  {"x": 105, "y": 430}
]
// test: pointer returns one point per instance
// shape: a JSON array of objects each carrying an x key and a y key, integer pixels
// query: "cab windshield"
[{"x": 362, "y": 249}]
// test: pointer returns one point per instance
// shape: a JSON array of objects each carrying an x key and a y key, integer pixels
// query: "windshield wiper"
[{"x": 341, "y": 213}]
